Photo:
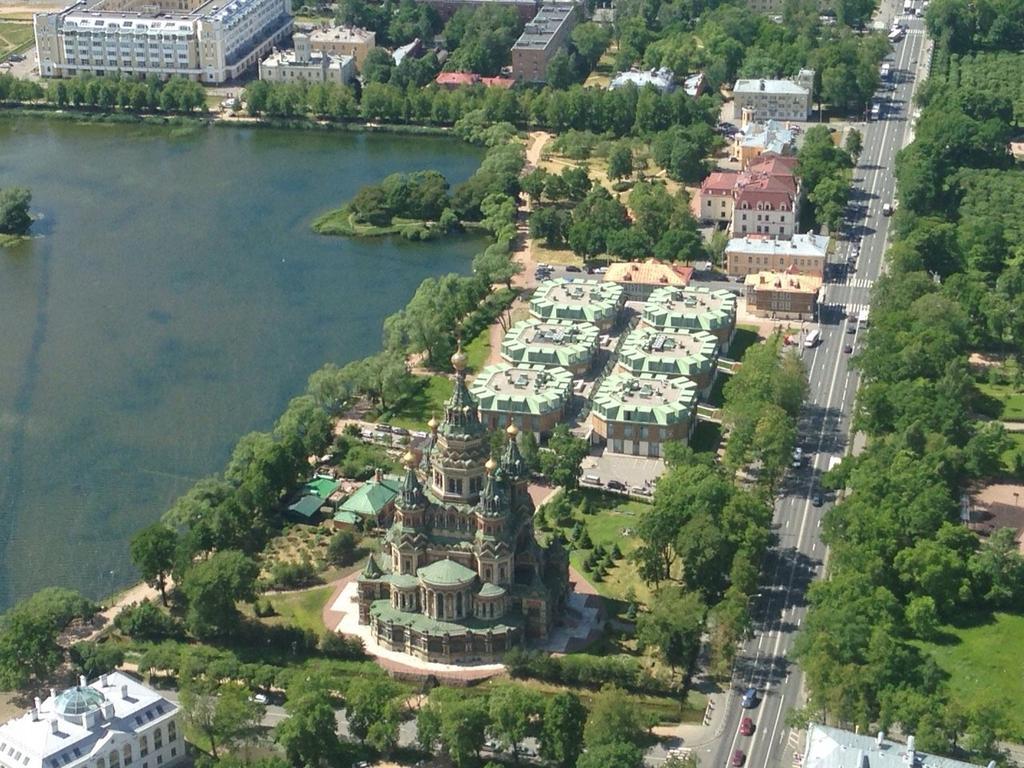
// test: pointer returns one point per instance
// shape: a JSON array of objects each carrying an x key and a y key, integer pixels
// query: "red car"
[
  {"x": 739, "y": 757},
  {"x": 746, "y": 727}
]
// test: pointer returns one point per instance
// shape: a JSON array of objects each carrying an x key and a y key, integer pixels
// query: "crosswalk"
[
  {"x": 845, "y": 309},
  {"x": 859, "y": 282}
]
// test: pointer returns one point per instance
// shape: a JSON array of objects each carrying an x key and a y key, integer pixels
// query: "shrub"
[
  {"x": 289, "y": 575},
  {"x": 342, "y": 548},
  {"x": 339, "y": 646},
  {"x": 146, "y": 621}
]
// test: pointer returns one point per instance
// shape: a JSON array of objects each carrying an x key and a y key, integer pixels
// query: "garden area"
[{"x": 14, "y": 36}]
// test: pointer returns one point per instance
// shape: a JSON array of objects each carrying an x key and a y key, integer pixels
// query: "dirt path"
[{"x": 136, "y": 594}]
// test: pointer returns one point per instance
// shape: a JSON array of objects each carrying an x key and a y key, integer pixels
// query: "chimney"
[
  {"x": 103, "y": 681},
  {"x": 35, "y": 711},
  {"x": 881, "y": 738},
  {"x": 107, "y": 710},
  {"x": 82, "y": 682},
  {"x": 53, "y": 693},
  {"x": 910, "y": 743},
  {"x": 54, "y": 726},
  {"x": 124, "y": 692},
  {"x": 378, "y": 475}
]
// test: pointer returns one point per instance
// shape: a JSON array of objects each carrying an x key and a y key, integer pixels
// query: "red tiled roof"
[
  {"x": 721, "y": 182},
  {"x": 498, "y": 82},
  {"x": 457, "y": 78},
  {"x": 773, "y": 163}
]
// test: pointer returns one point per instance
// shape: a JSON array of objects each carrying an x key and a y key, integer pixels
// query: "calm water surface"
[{"x": 176, "y": 300}]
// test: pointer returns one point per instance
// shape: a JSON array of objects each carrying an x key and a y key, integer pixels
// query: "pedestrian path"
[
  {"x": 859, "y": 282},
  {"x": 846, "y": 309}
]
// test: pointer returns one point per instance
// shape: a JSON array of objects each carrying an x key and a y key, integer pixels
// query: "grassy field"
[
  {"x": 983, "y": 663},
  {"x": 1016, "y": 445},
  {"x": 479, "y": 350},
  {"x": 13, "y": 36},
  {"x": 301, "y": 609},
  {"x": 1012, "y": 400},
  {"x": 612, "y": 522},
  {"x": 414, "y": 411}
]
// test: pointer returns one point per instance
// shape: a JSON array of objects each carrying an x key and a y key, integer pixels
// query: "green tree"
[
  {"x": 225, "y": 713},
  {"x": 613, "y": 719},
  {"x": 309, "y": 733},
  {"x": 551, "y": 224},
  {"x": 153, "y": 551},
  {"x": 561, "y": 462},
  {"x": 14, "y": 215},
  {"x": 590, "y": 40},
  {"x": 922, "y": 617},
  {"x": 212, "y": 588},
  {"x": 673, "y": 624},
  {"x": 854, "y": 143},
  {"x": 613, "y": 755},
  {"x": 561, "y": 736},
  {"x": 512, "y": 707},
  {"x": 594, "y": 220},
  {"x": 94, "y": 659},
  {"x": 374, "y": 711},
  {"x": 341, "y": 548},
  {"x": 620, "y": 161}
]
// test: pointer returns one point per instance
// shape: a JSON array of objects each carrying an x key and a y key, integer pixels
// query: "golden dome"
[
  {"x": 459, "y": 359},
  {"x": 512, "y": 430},
  {"x": 491, "y": 465},
  {"x": 433, "y": 424},
  {"x": 409, "y": 459}
]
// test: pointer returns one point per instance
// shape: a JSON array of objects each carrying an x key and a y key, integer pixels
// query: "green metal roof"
[
  {"x": 314, "y": 494},
  {"x": 347, "y": 518},
  {"x": 445, "y": 573},
  {"x": 403, "y": 580},
  {"x": 423, "y": 623},
  {"x": 567, "y": 299},
  {"x": 491, "y": 590},
  {"x": 550, "y": 343},
  {"x": 694, "y": 308},
  {"x": 372, "y": 497},
  {"x": 668, "y": 351},
  {"x": 644, "y": 399},
  {"x": 533, "y": 389}
]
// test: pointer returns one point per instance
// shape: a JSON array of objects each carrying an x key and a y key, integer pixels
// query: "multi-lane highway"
[{"x": 798, "y": 558}]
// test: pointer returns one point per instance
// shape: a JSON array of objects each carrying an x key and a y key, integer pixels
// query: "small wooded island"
[{"x": 15, "y": 220}]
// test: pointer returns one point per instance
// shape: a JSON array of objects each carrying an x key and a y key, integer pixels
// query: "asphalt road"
[{"x": 779, "y": 608}]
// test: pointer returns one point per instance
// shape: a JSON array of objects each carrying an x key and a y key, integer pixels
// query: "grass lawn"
[
  {"x": 479, "y": 350},
  {"x": 612, "y": 516},
  {"x": 301, "y": 609},
  {"x": 14, "y": 35},
  {"x": 563, "y": 256},
  {"x": 1012, "y": 400},
  {"x": 983, "y": 663},
  {"x": 415, "y": 410},
  {"x": 1016, "y": 444}
]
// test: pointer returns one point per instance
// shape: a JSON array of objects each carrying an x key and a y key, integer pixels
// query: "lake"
[{"x": 174, "y": 299}]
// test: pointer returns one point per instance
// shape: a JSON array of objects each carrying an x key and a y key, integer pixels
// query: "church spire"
[
  {"x": 512, "y": 463},
  {"x": 460, "y": 412},
  {"x": 411, "y": 495}
]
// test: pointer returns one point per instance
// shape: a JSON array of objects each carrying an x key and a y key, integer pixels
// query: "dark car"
[
  {"x": 746, "y": 726},
  {"x": 739, "y": 757},
  {"x": 749, "y": 700},
  {"x": 851, "y": 329},
  {"x": 616, "y": 485},
  {"x": 848, "y": 349},
  {"x": 817, "y": 500},
  {"x": 573, "y": 268}
]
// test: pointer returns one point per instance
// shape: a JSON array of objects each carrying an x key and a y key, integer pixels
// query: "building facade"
[
  {"x": 533, "y": 397},
  {"x": 783, "y": 296},
  {"x": 113, "y": 722},
  {"x": 804, "y": 254},
  {"x": 762, "y": 200},
  {"x": 637, "y": 415},
  {"x": 303, "y": 65},
  {"x": 344, "y": 41},
  {"x": 774, "y": 99},
  {"x": 639, "y": 278},
  {"x": 543, "y": 37},
  {"x": 207, "y": 41},
  {"x": 462, "y": 578}
]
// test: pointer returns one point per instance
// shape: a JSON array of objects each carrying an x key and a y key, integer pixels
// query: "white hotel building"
[
  {"x": 211, "y": 41},
  {"x": 116, "y": 722}
]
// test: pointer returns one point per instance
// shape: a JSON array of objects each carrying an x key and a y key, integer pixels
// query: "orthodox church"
[{"x": 461, "y": 577}]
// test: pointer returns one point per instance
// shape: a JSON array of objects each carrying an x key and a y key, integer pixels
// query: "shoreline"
[{"x": 89, "y": 116}]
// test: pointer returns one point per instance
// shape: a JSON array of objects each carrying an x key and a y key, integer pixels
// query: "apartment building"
[
  {"x": 210, "y": 41},
  {"x": 303, "y": 65},
  {"x": 775, "y": 99},
  {"x": 344, "y": 41},
  {"x": 762, "y": 200},
  {"x": 802, "y": 254},
  {"x": 782, "y": 295},
  {"x": 542, "y": 38}
]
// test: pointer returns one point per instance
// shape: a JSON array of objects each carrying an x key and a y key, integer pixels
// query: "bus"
[{"x": 812, "y": 338}]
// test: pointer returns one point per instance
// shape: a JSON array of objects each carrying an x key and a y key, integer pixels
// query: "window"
[
  {"x": 158, "y": 739},
  {"x": 127, "y": 752},
  {"x": 115, "y": 759},
  {"x": 143, "y": 745}
]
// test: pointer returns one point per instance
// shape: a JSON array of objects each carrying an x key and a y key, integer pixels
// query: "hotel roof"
[
  {"x": 663, "y": 79},
  {"x": 532, "y": 389},
  {"x": 783, "y": 282},
  {"x": 567, "y": 299},
  {"x": 650, "y": 272},
  {"x": 644, "y": 399},
  {"x": 537, "y": 34},
  {"x": 668, "y": 352},
  {"x": 808, "y": 244},
  {"x": 691, "y": 308},
  {"x": 550, "y": 343},
  {"x": 71, "y": 728},
  {"x": 835, "y": 748},
  {"x": 342, "y": 35}
]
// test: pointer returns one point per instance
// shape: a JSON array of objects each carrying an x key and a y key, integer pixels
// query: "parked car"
[
  {"x": 851, "y": 328},
  {"x": 616, "y": 485},
  {"x": 573, "y": 268},
  {"x": 887, "y": 209},
  {"x": 739, "y": 757},
  {"x": 746, "y": 726},
  {"x": 848, "y": 349},
  {"x": 749, "y": 700},
  {"x": 817, "y": 500}
]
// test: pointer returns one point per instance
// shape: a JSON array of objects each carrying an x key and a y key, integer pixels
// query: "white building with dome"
[{"x": 114, "y": 722}]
